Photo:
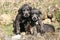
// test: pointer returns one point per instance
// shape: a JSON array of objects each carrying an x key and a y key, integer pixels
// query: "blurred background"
[{"x": 9, "y": 8}]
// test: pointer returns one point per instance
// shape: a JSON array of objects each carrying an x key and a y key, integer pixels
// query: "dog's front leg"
[
  {"x": 35, "y": 30},
  {"x": 27, "y": 28},
  {"x": 16, "y": 24}
]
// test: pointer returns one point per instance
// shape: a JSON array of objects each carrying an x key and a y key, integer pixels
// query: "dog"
[
  {"x": 35, "y": 21},
  {"x": 47, "y": 28},
  {"x": 22, "y": 19},
  {"x": 58, "y": 29}
]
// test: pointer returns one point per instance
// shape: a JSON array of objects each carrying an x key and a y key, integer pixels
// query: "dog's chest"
[
  {"x": 36, "y": 23},
  {"x": 25, "y": 21}
]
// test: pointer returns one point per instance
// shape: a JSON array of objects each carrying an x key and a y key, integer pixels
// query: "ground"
[{"x": 8, "y": 12}]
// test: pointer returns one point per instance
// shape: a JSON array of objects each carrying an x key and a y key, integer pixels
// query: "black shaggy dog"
[
  {"x": 58, "y": 29},
  {"x": 22, "y": 19},
  {"x": 37, "y": 26},
  {"x": 35, "y": 21},
  {"x": 47, "y": 28}
]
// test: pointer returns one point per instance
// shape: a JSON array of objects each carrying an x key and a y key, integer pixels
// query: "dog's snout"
[
  {"x": 34, "y": 18},
  {"x": 26, "y": 14}
]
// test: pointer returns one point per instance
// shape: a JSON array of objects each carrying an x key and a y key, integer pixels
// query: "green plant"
[{"x": 58, "y": 16}]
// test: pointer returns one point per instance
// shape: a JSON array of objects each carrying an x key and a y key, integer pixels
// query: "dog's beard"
[{"x": 26, "y": 16}]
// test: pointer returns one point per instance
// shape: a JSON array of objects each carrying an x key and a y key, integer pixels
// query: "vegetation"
[
  {"x": 58, "y": 15},
  {"x": 10, "y": 7}
]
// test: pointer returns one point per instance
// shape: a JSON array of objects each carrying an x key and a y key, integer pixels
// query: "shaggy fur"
[
  {"x": 22, "y": 19},
  {"x": 35, "y": 25}
]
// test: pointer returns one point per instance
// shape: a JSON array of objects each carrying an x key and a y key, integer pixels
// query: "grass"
[
  {"x": 11, "y": 8},
  {"x": 58, "y": 15},
  {"x": 7, "y": 29}
]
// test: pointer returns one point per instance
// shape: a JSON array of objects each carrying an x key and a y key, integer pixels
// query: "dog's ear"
[{"x": 19, "y": 10}]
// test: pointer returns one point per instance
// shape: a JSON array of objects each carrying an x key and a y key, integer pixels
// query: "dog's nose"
[
  {"x": 34, "y": 18},
  {"x": 26, "y": 14}
]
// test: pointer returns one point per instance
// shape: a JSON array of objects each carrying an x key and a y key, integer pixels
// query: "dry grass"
[
  {"x": 8, "y": 11},
  {"x": 47, "y": 36},
  {"x": 11, "y": 7}
]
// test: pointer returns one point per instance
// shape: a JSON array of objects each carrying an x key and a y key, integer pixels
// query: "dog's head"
[
  {"x": 35, "y": 14},
  {"x": 25, "y": 10}
]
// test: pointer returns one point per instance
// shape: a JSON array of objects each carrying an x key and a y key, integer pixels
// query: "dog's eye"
[
  {"x": 32, "y": 13},
  {"x": 28, "y": 9},
  {"x": 23, "y": 10},
  {"x": 37, "y": 13}
]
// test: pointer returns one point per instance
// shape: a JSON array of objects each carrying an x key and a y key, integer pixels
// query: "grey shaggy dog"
[{"x": 22, "y": 19}]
